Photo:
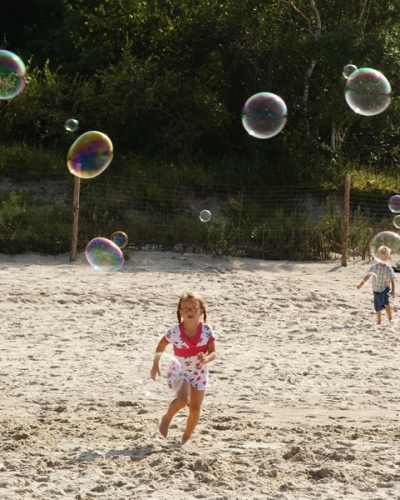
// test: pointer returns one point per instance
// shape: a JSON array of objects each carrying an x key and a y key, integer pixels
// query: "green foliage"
[
  {"x": 167, "y": 82},
  {"x": 23, "y": 161},
  {"x": 29, "y": 226},
  {"x": 169, "y": 79}
]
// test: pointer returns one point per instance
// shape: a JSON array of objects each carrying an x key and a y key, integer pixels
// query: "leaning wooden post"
[
  {"x": 346, "y": 219},
  {"x": 75, "y": 211}
]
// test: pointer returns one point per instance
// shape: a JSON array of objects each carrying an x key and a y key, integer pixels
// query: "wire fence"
[{"x": 264, "y": 222}]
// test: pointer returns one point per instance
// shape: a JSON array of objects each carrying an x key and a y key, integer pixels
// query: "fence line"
[
  {"x": 264, "y": 214},
  {"x": 265, "y": 222}
]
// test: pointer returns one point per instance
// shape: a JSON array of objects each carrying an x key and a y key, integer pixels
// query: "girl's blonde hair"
[{"x": 192, "y": 296}]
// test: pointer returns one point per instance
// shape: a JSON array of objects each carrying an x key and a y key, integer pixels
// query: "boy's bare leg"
[
  {"x": 196, "y": 400},
  {"x": 378, "y": 317},
  {"x": 389, "y": 312}
]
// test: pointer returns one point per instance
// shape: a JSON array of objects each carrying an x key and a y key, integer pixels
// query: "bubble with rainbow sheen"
[
  {"x": 396, "y": 221},
  {"x": 90, "y": 155},
  {"x": 264, "y": 115},
  {"x": 12, "y": 73},
  {"x": 367, "y": 92},
  {"x": 348, "y": 70},
  {"x": 394, "y": 203},
  {"x": 120, "y": 238},
  {"x": 104, "y": 255},
  {"x": 168, "y": 381},
  {"x": 205, "y": 216},
  {"x": 71, "y": 125},
  {"x": 388, "y": 239}
]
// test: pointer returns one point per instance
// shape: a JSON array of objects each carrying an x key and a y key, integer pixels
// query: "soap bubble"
[
  {"x": 120, "y": 238},
  {"x": 205, "y": 216},
  {"x": 71, "y": 125},
  {"x": 348, "y": 70},
  {"x": 264, "y": 115},
  {"x": 168, "y": 381},
  {"x": 389, "y": 239},
  {"x": 396, "y": 221},
  {"x": 90, "y": 155},
  {"x": 12, "y": 73},
  {"x": 104, "y": 255},
  {"x": 394, "y": 204},
  {"x": 367, "y": 92}
]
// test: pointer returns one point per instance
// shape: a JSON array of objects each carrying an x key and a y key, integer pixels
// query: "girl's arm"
[{"x": 155, "y": 370}]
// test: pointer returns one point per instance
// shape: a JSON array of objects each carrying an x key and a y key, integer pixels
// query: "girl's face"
[{"x": 190, "y": 310}]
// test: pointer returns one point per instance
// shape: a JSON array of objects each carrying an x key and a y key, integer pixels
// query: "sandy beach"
[{"x": 303, "y": 400}]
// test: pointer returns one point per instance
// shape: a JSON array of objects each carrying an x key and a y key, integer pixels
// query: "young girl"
[{"x": 194, "y": 347}]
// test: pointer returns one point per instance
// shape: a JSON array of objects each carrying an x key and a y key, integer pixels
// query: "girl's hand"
[{"x": 201, "y": 357}]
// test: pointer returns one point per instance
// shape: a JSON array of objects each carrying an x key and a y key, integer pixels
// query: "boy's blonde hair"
[
  {"x": 384, "y": 251},
  {"x": 192, "y": 296}
]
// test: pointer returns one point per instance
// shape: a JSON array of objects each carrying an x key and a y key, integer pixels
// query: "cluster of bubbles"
[
  {"x": 89, "y": 155},
  {"x": 105, "y": 255},
  {"x": 367, "y": 92},
  {"x": 12, "y": 75}
]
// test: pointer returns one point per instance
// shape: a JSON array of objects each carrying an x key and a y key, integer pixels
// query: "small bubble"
[
  {"x": 71, "y": 125},
  {"x": 205, "y": 216},
  {"x": 348, "y": 70}
]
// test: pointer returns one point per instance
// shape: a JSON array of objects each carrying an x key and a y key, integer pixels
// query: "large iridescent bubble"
[
  {"x": 104, "y": 255},
  {"x": 394, "y": 203},
  {"x": 367, "y": 92},
  {"x": 12, "y": 73},
  {"x": 168, "y": 381},
  {"x": 388, "y": 239},
  {"x": 90, "y": 155},
  {"x": 264, "y": 115}
]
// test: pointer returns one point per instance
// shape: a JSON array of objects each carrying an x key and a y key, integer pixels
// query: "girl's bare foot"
[
  {"x": 184, "y": 439},
  {"x": 164, "y": 426}
]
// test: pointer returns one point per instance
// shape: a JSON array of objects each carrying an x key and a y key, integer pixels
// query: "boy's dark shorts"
[{"x": 381, "y": 299}]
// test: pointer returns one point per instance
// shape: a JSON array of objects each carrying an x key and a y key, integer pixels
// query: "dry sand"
[{"x": 303, "y": 403}]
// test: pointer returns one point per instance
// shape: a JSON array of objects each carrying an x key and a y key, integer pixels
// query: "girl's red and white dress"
[{"x": 186, "y": 350}]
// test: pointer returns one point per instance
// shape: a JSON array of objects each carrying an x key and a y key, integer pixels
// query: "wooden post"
[
  {"x": 346, "y": 219},
  {"x": 75, "y": 211}
]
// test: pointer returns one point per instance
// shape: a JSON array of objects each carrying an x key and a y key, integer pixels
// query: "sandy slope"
[{"x": 303, "y": 402}]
